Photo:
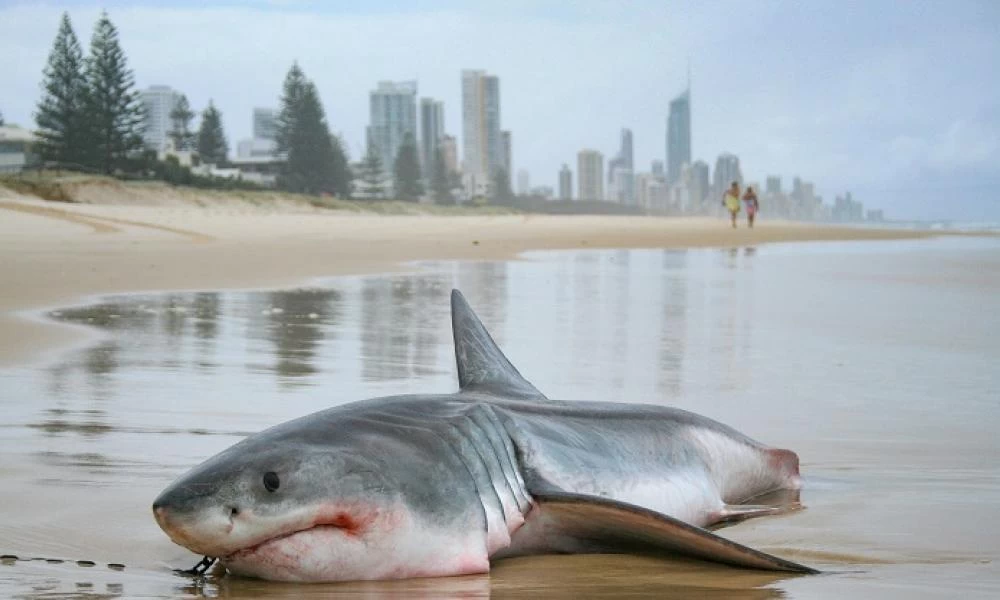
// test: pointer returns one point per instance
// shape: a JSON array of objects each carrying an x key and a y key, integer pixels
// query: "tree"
[
  {"x": 500, "y": 191},
  {"x": 113, "y": 108},
  {"x": 60, "y": 113},
  {"x": 372, "y": 185},
  {"x": 212, "y": 146},
  {"x": 406, "y": 171},
  {"x": 440, "y": 182},
  {"x": 342, "y": 177},
  {"x": 1, "y": 118},
  {"x": 315, "y": 160},
  {"x": 180, "y": 125}
]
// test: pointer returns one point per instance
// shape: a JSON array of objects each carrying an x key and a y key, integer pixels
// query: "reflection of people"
[
  {"x": 750, "y": 199},
  {"x": 731, "y": 200}
]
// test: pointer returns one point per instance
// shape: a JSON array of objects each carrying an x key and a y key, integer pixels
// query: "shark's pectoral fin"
[{"x": 579, "y": 523}]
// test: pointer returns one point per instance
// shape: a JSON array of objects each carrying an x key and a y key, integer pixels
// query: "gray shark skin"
[{"x": 440, "y": 484}]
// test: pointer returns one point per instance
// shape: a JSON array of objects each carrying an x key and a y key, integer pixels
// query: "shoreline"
[{"x": 55, "y": 255}]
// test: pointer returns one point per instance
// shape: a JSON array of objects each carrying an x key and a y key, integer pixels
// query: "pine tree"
[
  {"x": 180, "y": 125},
  {"x": 440, "y": 182},
  {"x": 500, "y": 190},
  {"x": 291, "y": 98},
  {"x": 343, "y": 185},
  {"x": 212, "y": 146},
  {"x": 406, "y": 171},
  {"x": 61, "y": 111},
  {"x": 315, "y": 160},
  {"x": 372, "y": 178},
  {"x": 1, "y": 118},
  {"x": 113, "y": 108}
]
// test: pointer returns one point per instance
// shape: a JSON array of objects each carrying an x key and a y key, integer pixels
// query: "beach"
[
  {"x": 138, "y": 340},
  {"x": 54, "y": 253}
]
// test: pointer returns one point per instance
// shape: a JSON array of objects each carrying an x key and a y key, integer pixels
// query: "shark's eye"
[{"x": 271, "y": 481}]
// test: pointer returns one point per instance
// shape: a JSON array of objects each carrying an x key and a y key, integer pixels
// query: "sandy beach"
[
  {"x": 791, "y": 343},
  {"x": 57, "y": 253}
]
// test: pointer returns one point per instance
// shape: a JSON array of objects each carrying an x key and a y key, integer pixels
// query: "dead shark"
[{"x": 436, "y": 485}]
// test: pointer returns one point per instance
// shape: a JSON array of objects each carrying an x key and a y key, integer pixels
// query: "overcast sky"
[{"x": 898, "y": 102}]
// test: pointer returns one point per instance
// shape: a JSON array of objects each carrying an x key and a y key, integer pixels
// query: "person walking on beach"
[
  {"x": 731, "y": 200},
  {"x": 750, "y": 200}
]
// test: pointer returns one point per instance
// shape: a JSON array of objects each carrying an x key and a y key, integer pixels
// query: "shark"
[{"x": 427, "y": 485}]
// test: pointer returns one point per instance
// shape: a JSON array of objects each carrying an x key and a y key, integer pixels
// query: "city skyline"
[{"x": 848, "y": 107}]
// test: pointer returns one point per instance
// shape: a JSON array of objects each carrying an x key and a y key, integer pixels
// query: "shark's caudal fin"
[
  {"x": 481, "y": 364},
  {"x": 580, "y": 523}
]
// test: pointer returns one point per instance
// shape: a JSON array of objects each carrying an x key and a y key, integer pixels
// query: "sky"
[{"x": 896, "y": 102}]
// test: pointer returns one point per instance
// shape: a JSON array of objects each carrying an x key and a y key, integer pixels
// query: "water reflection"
[
  {"x": 297, "y": 323},
  {"x": 90, "y": 438}
]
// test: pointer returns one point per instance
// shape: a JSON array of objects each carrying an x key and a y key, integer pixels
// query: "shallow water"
[{"x": 875, "y": 361}]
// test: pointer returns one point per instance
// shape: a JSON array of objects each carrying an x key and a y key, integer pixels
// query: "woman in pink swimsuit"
[{"x": 750, "y": 201}]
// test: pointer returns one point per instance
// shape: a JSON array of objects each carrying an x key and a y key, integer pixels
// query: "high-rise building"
[
  {"x": 542, "y": 191},
  {"x": 621, "y": 188},
  {"x": 523, "y": 182},
  {"x": 590, "y": 170},
  {"x": 431, "y": 132},
  {"x": 158, "y": 102},
  {"x": 658, "y": 170},
  {"x": 773, "y": 185},
  {"x": 565, "y": 183},
  {"x": 265, "y": 123},
  {"x": 678, "y": 135},
  {"x": 651, "y": 192},
  {"x": 626, "y": 150},
  {"x": 621, "y": 184},
  {"x": 699, "y": 182},
  {"x": 727, "y": 170},
  {"x": 508, "y": 164},
  {"x": 393, "y": 114},
  {"x": 449, "y": 151},
  {"x": 482, "y": 146},
  {"x": 681, "y": 199}
]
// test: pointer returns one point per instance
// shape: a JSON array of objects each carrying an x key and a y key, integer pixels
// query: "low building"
[{"x": 17, "y": 149}]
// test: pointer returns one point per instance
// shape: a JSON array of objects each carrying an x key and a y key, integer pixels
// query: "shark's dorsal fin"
[{"x": 481, "y": 364}]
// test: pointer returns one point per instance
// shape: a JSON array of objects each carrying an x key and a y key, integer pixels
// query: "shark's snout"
[{"x": 201, "y": 529}]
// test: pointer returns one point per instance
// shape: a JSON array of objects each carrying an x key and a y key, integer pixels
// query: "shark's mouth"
[
  {"x": 278, "y": 542},
  {"x": 341, "y": 524}
]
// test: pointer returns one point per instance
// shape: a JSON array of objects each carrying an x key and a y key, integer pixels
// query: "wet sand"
[
  {"x": 56, "y": 253},
  {"x": 858, "y": 356}
]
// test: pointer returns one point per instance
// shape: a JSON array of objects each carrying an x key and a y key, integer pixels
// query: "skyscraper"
[
  {"x": 625, "y": 152},
  {"x": 773, "y": 185},
  {"x": 508, "y": 164},
  {"x": 590, "y": 171},
  {"x": 158, "y": 102},
  {"x": 482, "y": 146},
  {"x": 727, "y": 170},
  {"x": 265, "y": 124},
  {"x": 699, "y": 182},
  {"x": 678, "y": 135},
  {"x": 449, "y": 151},
  {"x": 657, "y": 169},
  {"x": 393, "y": 111},
  {"x": 621, "y": 187},
  {"x": 565, "y": 183},
  {"x": 523, "y": 182},
  {"x": 431, "y": 132}
]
